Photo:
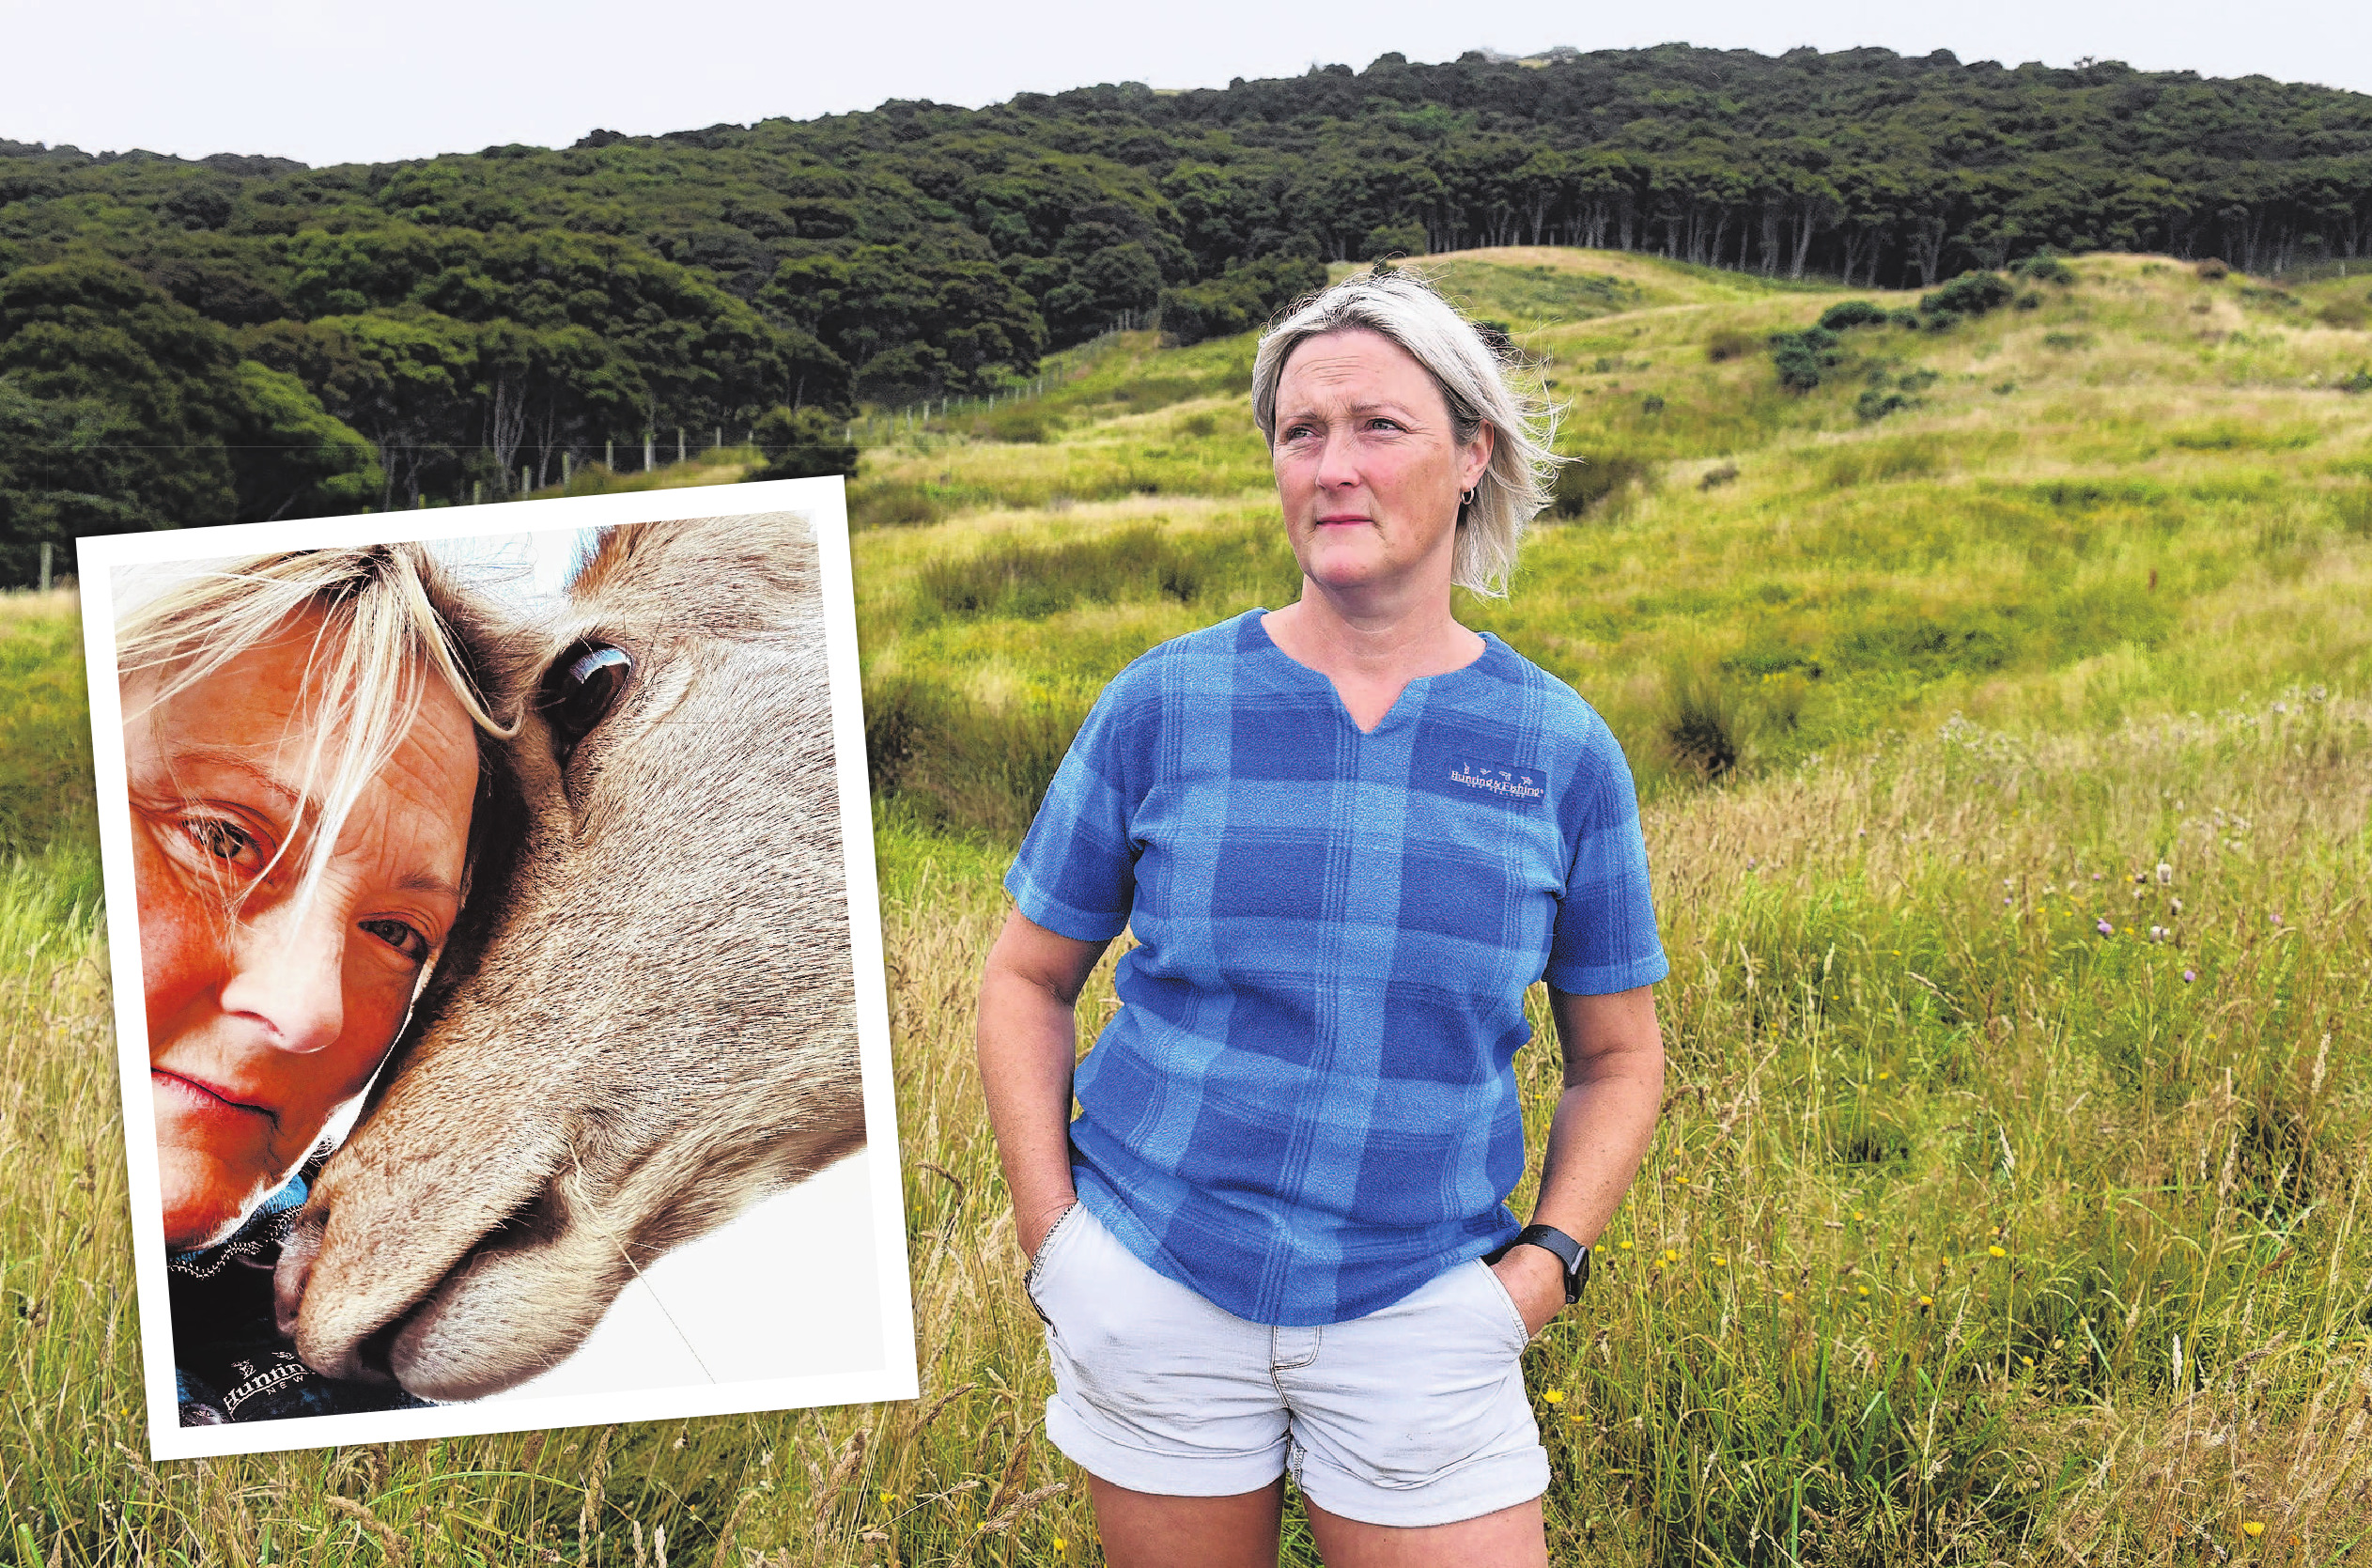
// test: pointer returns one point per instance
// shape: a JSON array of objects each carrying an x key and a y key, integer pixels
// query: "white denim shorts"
[{"x": 1415, "y": 1414}]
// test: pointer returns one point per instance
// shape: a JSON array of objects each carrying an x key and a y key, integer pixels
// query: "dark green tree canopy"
[{"x": 701, "y": 278}]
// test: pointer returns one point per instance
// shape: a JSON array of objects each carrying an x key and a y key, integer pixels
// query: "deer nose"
[{"x": 288, "y": 975}]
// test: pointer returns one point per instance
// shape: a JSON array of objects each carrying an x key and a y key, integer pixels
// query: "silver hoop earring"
[{"x": 1466, "y": 498}]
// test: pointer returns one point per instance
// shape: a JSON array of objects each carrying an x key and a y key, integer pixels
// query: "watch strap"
[{"x": 1572, "y": 1253}]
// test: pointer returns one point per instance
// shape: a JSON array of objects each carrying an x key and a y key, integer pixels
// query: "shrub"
[
  {"x": 1702, "y": 725},
  {"x": 1728, "y": 343},
  {"x": 1848, "y": 314},
  {"x": 2349, "y": 313},
  {"x": 1651, "y": 403},
  {"x": 1877, "y": 403},
  {"x": 1965, "y": 298},
  {"x": 2353, "y": 509},
  {"x": 1717, "y": 477},
  {"x": 1595, "y": 483},
  {"x": 1240, "y": 299},
  {"x": 2210, "y": 268},
  {"x": 1906, "y": 317},
  {"x": 2029, "y": 301},
  {"x": 899, "y": 504},
  {"x": 2043, "y": 267},
  {"x": 1804, "y": 358},
  {"x": 2359, "y": 381},
  {"x": 803, "y": 444},
  {"x": 1019, "y": 423}
]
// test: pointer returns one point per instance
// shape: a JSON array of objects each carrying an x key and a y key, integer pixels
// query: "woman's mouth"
[{"x": 198, "y": 1097}]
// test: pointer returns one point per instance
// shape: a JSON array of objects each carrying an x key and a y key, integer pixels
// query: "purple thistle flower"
[
  {"x": 2105, "y": 928},
  {"x": 2188, "y": 975}
]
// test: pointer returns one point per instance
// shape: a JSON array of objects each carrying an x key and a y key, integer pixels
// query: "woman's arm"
[
  {"x": 1027, "y": 1045},
  {"x": 1614, "y": 1085}
]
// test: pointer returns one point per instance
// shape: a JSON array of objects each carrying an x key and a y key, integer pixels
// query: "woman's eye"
[
  {"x": 402, "y": 938},
  {"x": 224, "y": 840}
]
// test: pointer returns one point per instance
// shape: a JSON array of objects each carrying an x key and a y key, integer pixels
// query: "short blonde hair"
[
  {"x": 389, "y": 617},
  {"x": 1476, "y": 383}
]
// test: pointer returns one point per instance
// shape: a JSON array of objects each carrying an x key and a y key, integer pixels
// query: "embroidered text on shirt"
[{"x": 1514, "y": 784}]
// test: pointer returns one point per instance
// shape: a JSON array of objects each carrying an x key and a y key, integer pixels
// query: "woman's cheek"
[{"x": 180, "y": 944}]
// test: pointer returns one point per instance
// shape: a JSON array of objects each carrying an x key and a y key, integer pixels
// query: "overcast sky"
[{"x": 342, "y": 81}]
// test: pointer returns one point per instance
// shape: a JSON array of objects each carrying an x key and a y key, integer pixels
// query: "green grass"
[{"x": 1977, "y": 670}]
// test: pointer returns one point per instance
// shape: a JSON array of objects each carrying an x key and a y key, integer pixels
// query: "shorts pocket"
[
  {"x": 1519, "y": 1335},
  {"x": 1040, "y": 1259}
]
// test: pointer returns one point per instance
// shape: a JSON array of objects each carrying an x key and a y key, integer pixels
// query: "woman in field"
[
  {"x": 303, "y": 740},
  {"x": 1347, "y": 835}
]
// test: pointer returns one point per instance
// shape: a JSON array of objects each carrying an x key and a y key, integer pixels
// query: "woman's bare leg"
[
  {"x": 1144, "y": 1530},
  {"x": 1512, "y": 1538}
]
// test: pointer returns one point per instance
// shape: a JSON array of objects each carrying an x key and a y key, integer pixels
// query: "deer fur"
[{"x": 646, "y": 1019}]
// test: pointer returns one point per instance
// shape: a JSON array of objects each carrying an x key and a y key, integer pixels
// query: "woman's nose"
[
  {"x": 1336, "y": 469},
  {"x": 288, "y": 975}
]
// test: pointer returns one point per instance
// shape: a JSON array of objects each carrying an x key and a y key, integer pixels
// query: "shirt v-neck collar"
[{"x": 1405, "y": 707}]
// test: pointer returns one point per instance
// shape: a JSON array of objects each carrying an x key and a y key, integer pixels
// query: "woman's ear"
[{"x": 1476, "y": 456}]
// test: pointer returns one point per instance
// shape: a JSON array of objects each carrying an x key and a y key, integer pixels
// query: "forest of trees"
[{"x": 193, "y": 341}]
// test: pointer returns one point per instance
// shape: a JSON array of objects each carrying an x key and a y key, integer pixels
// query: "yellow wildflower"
[
  {"x": 1862, "y": 1289},
  {"x": 1927, "y": 1301},
  {"x": 1626, "y": 1247},
  {"x": 1554, "y": 1396},
  {"x": 1670, "y": 1257},
  {"x": 2254, "y": 1528},
  {"x": 1720, "y": 1262},
  {"x": 1996, "y": 1251}
]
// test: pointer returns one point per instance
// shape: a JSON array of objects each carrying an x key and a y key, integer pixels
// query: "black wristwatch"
[{"x": 1572, "y": 1253}]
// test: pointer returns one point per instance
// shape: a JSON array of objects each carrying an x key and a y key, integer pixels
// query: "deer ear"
[{"x": 582, "y": 687}]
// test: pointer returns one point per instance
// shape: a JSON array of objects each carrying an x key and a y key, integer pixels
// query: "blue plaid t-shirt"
[{"x": 1306, "y": 1105}]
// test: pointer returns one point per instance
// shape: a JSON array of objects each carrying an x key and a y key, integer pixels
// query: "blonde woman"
[
  {"x": 1347, "y": 834},
  {"x": 305, "y": 742}
]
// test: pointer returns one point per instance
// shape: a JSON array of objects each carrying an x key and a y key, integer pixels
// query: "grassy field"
[{"x": 2007, "y": 764}]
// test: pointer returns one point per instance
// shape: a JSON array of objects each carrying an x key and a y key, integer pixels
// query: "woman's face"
[
  {"x": 1368, "y": 464},
  {"x": 265, "y": 1016}
]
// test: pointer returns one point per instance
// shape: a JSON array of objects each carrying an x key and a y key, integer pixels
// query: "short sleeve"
[
  {"x": 1605, "y": 938},
  {"x": 1076, "y": 872}
]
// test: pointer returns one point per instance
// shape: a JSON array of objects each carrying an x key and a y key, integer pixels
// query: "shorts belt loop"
[{"x": 1290, "y": 1348}]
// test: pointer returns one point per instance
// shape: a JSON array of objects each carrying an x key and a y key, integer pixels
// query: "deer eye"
[{"x": 582, "y": 688}]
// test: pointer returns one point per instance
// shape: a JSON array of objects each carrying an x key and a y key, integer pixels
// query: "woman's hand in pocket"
[
  {"x": 1031, "y": 1231},
  {"x": 1535, "y": 1282}
]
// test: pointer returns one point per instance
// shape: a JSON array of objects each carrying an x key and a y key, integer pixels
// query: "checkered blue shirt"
[{"x": 1306, "y": 1106}]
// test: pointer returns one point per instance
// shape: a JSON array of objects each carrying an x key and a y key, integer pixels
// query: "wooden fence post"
[
  {"x": 650, "y": 451},
  {"x": 46, "y": 548},
  {"x": 679, "y": 443},
  {"x": 567, "y": 469},
  {"x": 610, "y": 454}
]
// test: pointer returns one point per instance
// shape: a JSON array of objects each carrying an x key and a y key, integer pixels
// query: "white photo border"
[{"x": 823, "y": 502}]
